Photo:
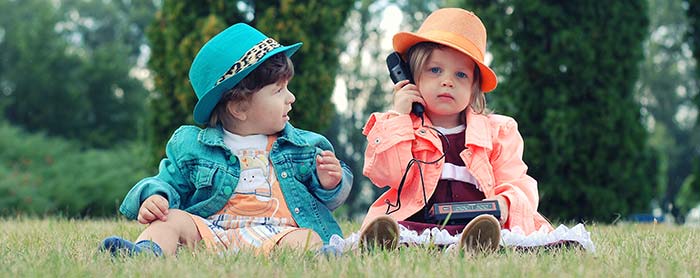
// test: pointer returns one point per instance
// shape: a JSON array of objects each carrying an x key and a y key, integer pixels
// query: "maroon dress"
[{"x": 447, "y": 190}]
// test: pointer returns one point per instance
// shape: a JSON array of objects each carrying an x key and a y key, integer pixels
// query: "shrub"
[{"x": 44, "y": 175}]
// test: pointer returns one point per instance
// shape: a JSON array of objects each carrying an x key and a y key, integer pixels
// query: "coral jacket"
[{"x": 493, "y": 154}]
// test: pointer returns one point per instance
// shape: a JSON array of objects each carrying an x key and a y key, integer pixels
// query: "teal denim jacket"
[{"x": 199, "y": 175}]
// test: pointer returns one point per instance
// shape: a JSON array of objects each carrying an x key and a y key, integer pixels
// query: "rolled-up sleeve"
[{"x": 512, "y": 181}]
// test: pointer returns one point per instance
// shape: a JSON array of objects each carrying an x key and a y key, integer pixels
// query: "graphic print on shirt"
[{"x": 253, "y": 194}]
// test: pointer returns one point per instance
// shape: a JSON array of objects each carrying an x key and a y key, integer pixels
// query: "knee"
[
  {"x": 177, "y": 220},
  {"x": 312, "y": 236},
  {"x": 173, "y": 218},
  {"x": 177, "y": 213},
  {"x": 302, "y": 237}
]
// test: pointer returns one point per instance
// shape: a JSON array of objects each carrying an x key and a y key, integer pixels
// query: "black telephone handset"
[{"x": 399, "y": 70}]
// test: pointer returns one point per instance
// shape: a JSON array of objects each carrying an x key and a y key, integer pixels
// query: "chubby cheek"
[
  {"x": 424, "y": 84},
  {"x": 465, "y": 101}
]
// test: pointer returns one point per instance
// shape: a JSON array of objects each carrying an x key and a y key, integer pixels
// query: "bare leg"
[{"x": 177, "y": 229}]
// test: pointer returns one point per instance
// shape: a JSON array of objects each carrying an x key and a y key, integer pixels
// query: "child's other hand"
[
  {"x": 503, "y": 205},
  {"x": 328, "y": 170},
  {"x": 405, "y": 94},
  {"x": 153, "y": 208}
]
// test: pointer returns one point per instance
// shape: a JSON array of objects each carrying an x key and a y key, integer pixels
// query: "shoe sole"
[
  {"x": 382, "y": 232},
  {"x": 482, "y": 234}
]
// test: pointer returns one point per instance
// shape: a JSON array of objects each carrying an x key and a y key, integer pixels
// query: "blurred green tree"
[
  {"x": 567, "y": 74},
  {"x": 65, "y": 68},
  {"x": 693, "y": 15},
  {"x": 346, "y": 131},
  {"x": 666, "y": 89},
  {"x": 182, "y": 27},
  {"x": 39, "y": 89}
]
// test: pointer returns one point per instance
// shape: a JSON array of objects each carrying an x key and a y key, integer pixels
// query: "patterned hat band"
[{"x": 251, "y": 57}]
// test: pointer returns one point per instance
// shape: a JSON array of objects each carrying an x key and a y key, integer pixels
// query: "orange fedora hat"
[{"x": 456, "y": 28}]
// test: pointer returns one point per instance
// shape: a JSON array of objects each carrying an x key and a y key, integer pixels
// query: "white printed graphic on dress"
[{"x": 253, "y": 194}]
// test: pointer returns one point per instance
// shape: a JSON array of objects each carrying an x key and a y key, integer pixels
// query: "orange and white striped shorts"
[{"x": 226, "y": 233}]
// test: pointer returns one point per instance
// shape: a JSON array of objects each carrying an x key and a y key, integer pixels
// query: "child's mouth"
[{"x": 447, "y": 96}]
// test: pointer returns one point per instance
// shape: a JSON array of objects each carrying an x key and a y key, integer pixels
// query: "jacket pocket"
[
  {"x": 424, "y": 146},
  {"x": 302, "y": 164},
  {"x": 203, "y": 178}
]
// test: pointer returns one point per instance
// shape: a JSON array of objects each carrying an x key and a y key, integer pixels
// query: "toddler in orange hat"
[{"x": 456, "y": 151}]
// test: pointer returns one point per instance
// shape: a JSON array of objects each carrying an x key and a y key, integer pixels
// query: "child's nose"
[
  {"x": 447, "y": 83},
  {"x": 291, "y": 97}
]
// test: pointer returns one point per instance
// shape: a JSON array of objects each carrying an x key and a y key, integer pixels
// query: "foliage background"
[
  {"x": 65, "y": 68},
  {"x": 42, "y": 175},
  {"x": 571, "y": 89},
  {"x": 182, "y": 27},
  {"x": 604, "y": 93}
]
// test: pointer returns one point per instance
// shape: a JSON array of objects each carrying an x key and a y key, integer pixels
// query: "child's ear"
[{"x": 237, "y": 110}]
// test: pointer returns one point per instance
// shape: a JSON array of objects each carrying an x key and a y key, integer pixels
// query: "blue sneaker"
[
  {"x": 116, "y": 245},
  {"x": 329, "y": 251}
]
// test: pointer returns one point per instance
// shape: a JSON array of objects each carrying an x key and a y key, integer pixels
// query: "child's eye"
[
  {"x": 281, "y": 87},
  {"x": 461, "y": 75},
  {"x": 435, "y": 70}
]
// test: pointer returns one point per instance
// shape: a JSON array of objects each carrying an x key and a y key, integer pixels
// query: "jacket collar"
[
  {"x": 214, "y": 136},
  {"x": 478, "y": 131},
  {"x": 291, "y": 135}
]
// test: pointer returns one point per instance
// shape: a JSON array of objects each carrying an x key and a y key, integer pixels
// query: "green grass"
[{"x": 55, "y": 247}]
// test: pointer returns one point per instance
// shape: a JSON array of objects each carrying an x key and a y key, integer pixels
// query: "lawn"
[{"x": 55, "y": 247}]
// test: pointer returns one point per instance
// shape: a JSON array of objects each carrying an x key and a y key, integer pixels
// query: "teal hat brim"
[{"x": 205, "y": 105}]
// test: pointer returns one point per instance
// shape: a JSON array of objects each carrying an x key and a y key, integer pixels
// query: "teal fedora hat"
[{"x": 225, "y": 60}]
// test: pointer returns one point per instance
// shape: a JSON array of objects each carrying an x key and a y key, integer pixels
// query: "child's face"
[
  {"x": 445, "y": 83},
  {"x": 267, "y": 111}
]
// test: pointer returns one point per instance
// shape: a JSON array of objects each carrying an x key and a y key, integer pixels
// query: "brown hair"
[
  {"x": 273, "y": 70},
  {"x": 419, "y": 54}
]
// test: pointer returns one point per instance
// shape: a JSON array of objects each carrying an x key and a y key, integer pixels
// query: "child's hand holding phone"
[{"x": 400, "y": 71}]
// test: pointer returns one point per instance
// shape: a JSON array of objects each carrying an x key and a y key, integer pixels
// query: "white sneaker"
[
  {"x": 482, "y": 234},
  {"x": 382, "y": 232}
]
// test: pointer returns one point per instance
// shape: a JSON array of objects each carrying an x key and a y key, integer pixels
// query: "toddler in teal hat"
[{"x": 249, "y": 180}]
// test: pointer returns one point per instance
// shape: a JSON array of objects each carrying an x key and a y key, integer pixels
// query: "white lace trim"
[{"x": 509, "y": 238}]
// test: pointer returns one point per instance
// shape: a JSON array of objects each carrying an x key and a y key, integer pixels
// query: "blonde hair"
[
  {"x": 273, "y": 70},
  {"x": 419, "y": 54}
]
